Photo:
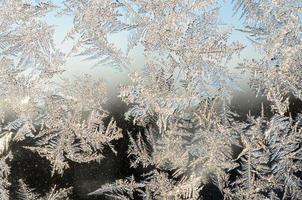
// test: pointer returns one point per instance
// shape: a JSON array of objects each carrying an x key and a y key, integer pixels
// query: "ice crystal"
[
  {"x": 189, "y": 138},
  {"x": 275, "y": 28}
]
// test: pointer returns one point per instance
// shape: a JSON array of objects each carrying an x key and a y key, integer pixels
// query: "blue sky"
[{"x": 114, "y": 77}]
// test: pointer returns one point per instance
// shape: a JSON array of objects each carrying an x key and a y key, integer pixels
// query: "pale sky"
[{"x": 113, "y": 76}]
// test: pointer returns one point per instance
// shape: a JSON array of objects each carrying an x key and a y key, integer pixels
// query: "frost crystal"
[{"x": 189, "y": 138}]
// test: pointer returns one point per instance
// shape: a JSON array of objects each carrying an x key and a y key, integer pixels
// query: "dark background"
[{"x": 85, "y": 178}]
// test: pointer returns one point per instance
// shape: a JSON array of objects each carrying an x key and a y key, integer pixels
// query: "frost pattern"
[
  {"x": 66, "y": 121},
  {"x": 275, "y": 28},
  {"x": 66, "y": 132},
  {"x": 26, "y": 193},
  {"x": 190, "y": 138}
]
